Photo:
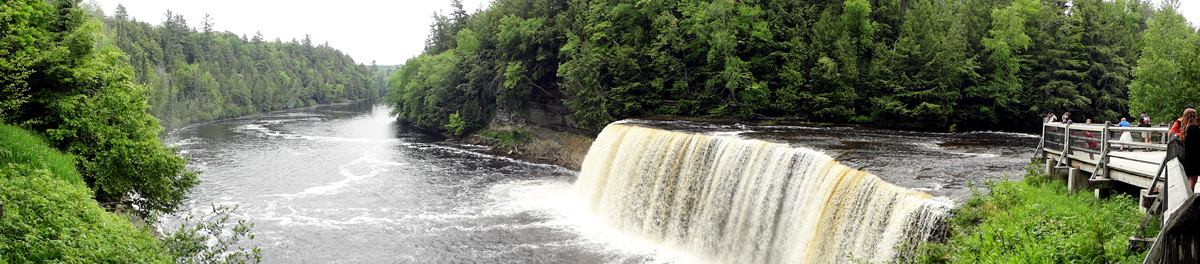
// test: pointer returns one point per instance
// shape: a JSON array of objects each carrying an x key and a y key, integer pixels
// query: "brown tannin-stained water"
[{"x": 347, "y": 184}]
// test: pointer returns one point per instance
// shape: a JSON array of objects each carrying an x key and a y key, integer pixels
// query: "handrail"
[
  {"x": 1071, "y": 140},
  {"x": 1099, "y": 127},
  {"x": 1139, "y": 144}
]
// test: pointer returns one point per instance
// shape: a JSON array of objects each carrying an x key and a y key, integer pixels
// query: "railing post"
[
  {"x": 1104, "y": 136},
  {"x": 1066, "y": 144},
  {"x": 1105, "y": 148},
  {"x": 1042, "y": 144}
]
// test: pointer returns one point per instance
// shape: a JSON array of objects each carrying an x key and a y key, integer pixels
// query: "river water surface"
[{"x": 347, "y": 184}]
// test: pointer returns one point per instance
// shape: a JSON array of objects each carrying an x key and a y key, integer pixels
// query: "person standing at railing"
[
  {"x": 1191, "y": 148},
  {"x": 1090, "y": 143},
  {"x": 1144, "y": 121},
  {"x": 1175, "y": 125},
  {"x": 1125, "y": 136},
  {"x": 1050, "y": 118},
  {"x": 1066, "y": 120}
]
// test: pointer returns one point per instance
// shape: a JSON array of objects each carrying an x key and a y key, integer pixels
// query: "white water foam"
[
  {"x": 375, "y": 165},
  {"x": 556, "y": 201},
  {"x": 936, "y": 146}
]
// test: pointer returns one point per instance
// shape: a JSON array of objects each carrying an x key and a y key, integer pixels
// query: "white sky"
[{"x": 388, "y": 32}]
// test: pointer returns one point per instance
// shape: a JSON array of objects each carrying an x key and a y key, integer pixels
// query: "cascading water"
[{"x": 748, "y": 201}]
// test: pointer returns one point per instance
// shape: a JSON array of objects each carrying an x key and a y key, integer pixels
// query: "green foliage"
[
  {"x": 856, "y": 17},
  {"x": 49, "y": 215},
  {"x": 974, "y": 64},
  {"x": 197, "y": 74},
  {"x": 81, "y": 97},
  {"x": 21, "y": 147},
  {"x": 1005, "y": 40},
  {"x": 456, "y": 126},
  {"x": 119, "y": 151},
  {"x": 1166, "y": 72},
  {"x": 204, "y": 239},
  {"x": 508, "y": 138},
  {"x": 1035, "y": 221}
]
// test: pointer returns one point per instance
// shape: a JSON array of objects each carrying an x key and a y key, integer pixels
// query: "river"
[{"x": 347, "y": 184}]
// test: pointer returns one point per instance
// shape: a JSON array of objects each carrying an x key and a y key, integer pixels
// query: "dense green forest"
[
  {"x": 57, "y": 81},
  {"x": 197, "y": 74},
  {"x": 83, "y": 174},
  {"x": 965, "y": 64},
  {"x": 54, "y": 80},
  {"x": 380, "y": 75}
]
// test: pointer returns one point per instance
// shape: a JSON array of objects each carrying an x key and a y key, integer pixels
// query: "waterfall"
[{"x": 733, "y": 200}]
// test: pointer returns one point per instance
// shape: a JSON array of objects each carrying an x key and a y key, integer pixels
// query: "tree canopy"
[
  {"x": 966, "y": 64},
  {"x": 1168, "y": 72},
  {"x": 58, "y": 82},
  {"x": 197, "y": 74}
]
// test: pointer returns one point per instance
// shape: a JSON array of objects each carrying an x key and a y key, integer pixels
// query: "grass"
[
  {"x": 1035, "y": 220},
  {"x": 508, "y": 139},
  {"x": 18, "y": 146}
]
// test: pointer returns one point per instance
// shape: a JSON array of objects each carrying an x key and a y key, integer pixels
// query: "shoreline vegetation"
[
  {"x": 198, "y": 74},
  {"x": 83, "y": 173},
  {"x": 942, "y": 65},
  {"x": 1036, "y": 220}
]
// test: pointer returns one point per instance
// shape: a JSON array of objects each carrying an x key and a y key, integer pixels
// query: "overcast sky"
[{"x": 387, "y": 31}]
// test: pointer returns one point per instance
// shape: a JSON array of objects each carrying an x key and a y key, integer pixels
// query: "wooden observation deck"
[{"x": 1095, "y": 157}]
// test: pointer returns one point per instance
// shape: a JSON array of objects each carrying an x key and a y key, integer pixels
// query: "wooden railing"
[
  {"x": 1171, "y": 196},
  {"x": 1100, "y": 140}
]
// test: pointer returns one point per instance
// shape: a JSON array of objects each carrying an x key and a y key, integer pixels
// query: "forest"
[
  {"x": 197, "y": 74},
  {"x": 77, "y": 143},
  {"x": 943, "y": 65},
  {"x": 83, "y": 97}
]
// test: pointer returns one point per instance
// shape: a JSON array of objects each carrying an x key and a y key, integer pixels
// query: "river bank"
[{"x": 534, "y": 144}]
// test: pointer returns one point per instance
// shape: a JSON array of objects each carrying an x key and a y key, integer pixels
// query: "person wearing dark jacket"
[{"x": 1191, "y": 147}]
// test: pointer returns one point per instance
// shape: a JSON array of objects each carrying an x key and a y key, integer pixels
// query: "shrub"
[
  {"x": 50, "y": 216},
  {"x": 1033, "y": 221}
]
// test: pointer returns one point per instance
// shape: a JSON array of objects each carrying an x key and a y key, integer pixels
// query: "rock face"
[
  {"x": 554, "y": 137},
  {"x": 546, "y": 113},
  {"x": 544, "y": 145}
]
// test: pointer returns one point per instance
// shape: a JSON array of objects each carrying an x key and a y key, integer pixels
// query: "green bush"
[
  {"x": 1036, "y": 221},
  {"x": 50, "y": 216},
  {"x": 509, "y": 139},
  {"x": 456, "y": 125}
]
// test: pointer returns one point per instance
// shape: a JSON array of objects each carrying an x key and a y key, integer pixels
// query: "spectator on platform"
[
  {"x": 1191, "y": 148},
  {"x": 1125, "y": 136},
  {"x": 1144, "y": 121},
  {"x": 1050, "y": 118},
  {"x": 1175, "y": 127}
]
